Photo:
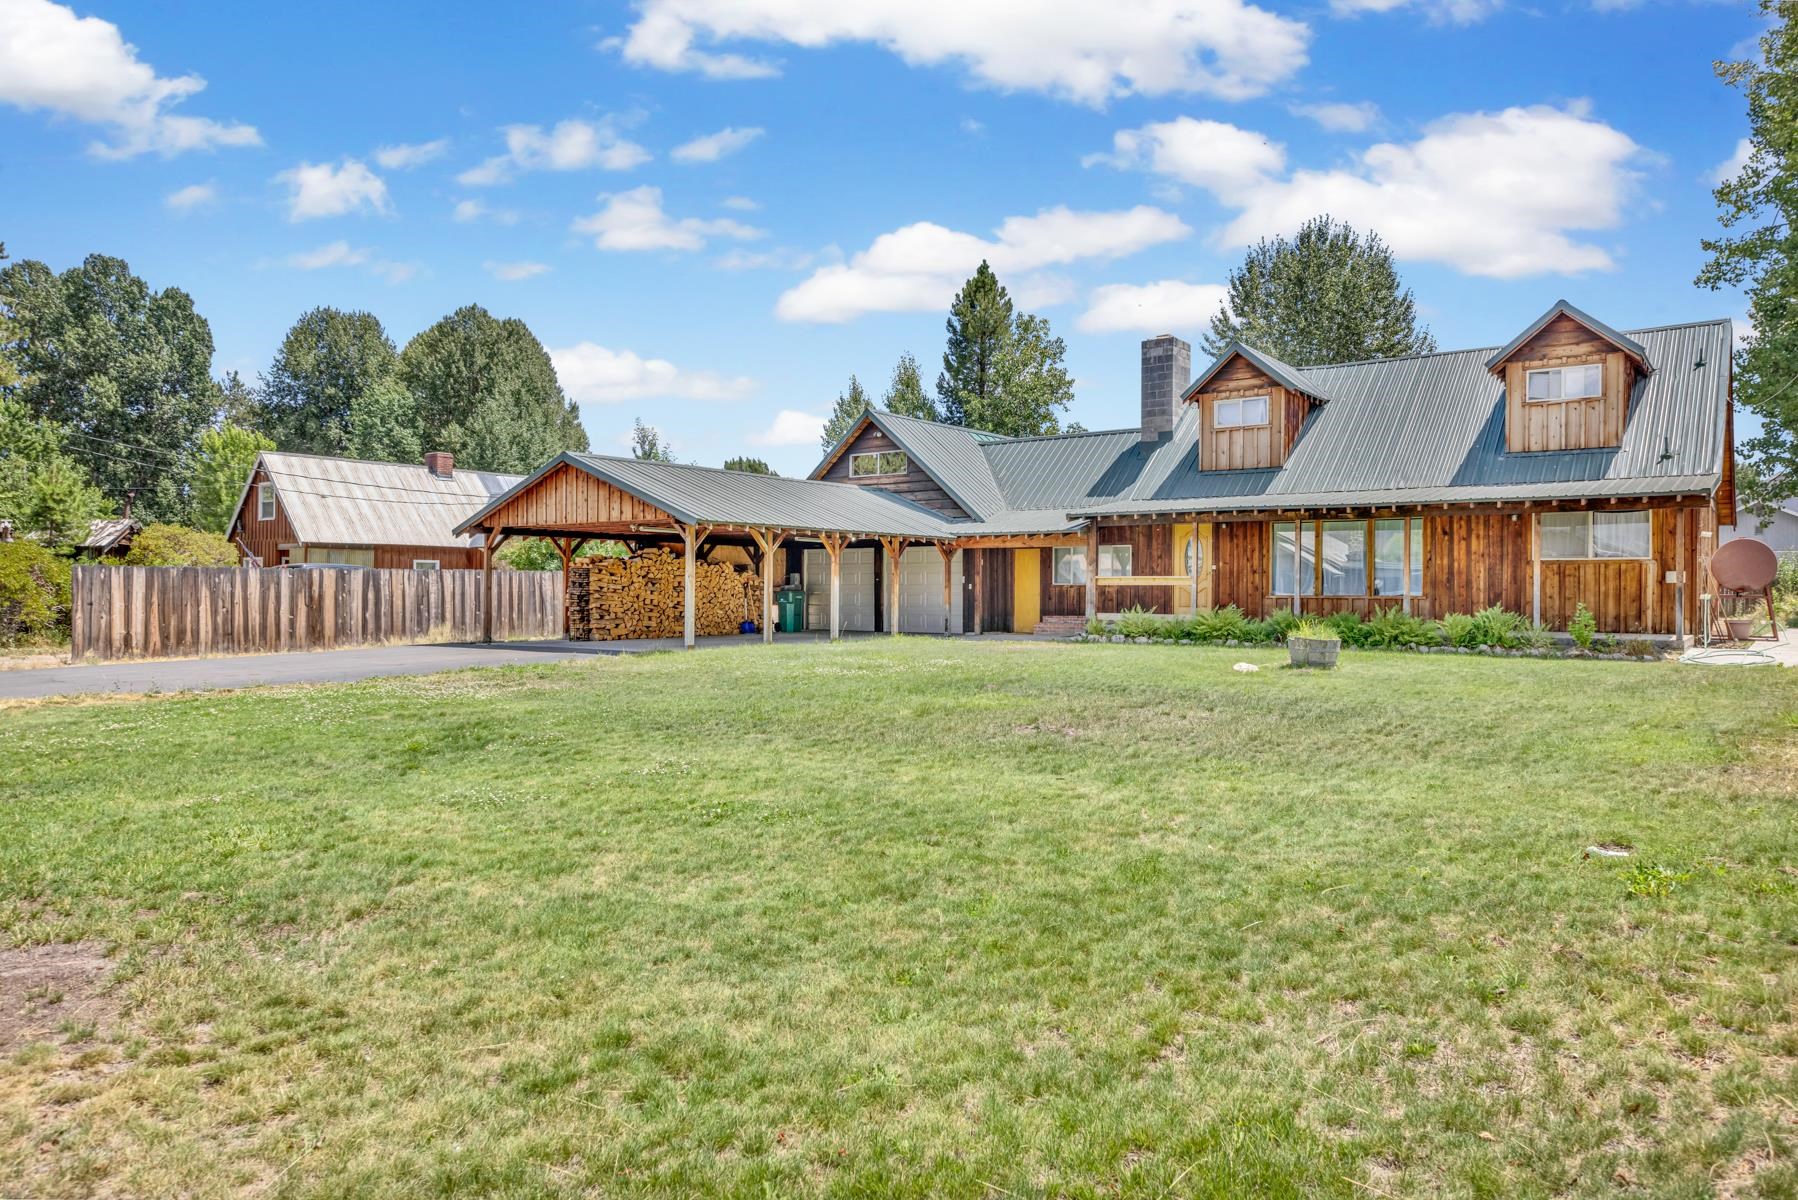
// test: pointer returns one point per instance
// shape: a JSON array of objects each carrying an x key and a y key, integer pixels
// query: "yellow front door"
[
  {"x": 1026, "y": 590},
  {"x": 1190, "y": 542}
]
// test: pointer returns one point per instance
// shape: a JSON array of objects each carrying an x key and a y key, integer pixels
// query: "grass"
[{"x": 917, "y": 919}]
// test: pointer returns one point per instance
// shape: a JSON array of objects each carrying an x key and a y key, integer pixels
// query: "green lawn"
[{"x": 912, "y": 918}]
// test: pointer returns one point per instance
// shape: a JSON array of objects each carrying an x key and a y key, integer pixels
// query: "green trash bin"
[{"x": 790, "y": 603}]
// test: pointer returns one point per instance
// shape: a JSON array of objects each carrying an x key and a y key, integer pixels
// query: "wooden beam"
[
  {"x": 1679, "y": 576},
  {"x": 947, "y": 550},
  {"x": 979, "y": 569},
  {"x": 834, "y": 544},
  {"x": 895, "y": 548},
  {"x": 1092, "y": 571},
  {"x": 565, "y": 547},
  {"x": 1536, "y": 568},
  {"x": 691, "y": 536},
  {"x": 1198, "y": 560},
  {"x": 488, "y": 546},
  {"x": 769, "y": 540}
]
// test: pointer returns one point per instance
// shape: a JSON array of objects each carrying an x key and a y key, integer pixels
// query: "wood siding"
[
  {"x": 1583, "y": 424},
  {"x": 154, "y": 612},
  {"x": 1255, "y": 446},
  {"x": 263, "y": 539},
  {"x": 1151, "y": 553},
  {"x": 570, "y": 500},
  {"x": 1242, "y": 563},
  {"x": 915, "y": 485}
]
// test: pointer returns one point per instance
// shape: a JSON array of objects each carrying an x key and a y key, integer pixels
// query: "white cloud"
[
  {"x": 791, "y": 428},
  {"x": 918, "y": 267},
  {"x": 972, "y": 127},
  {"x": 1725, "y": 171},
  {"x": 779, "y": 259},
  {"x": 1208, "y": 154},
  {"x": 322, "y": 190},
  {"x": 714, "y": 146},
  {"x": 82, "y": 67},
  {"x": 394, "y": 272},
  {"x": 1160, "y": 307},
  {"x": 1495, "y": 194},
  {"x": 512, "y": 272},
  {"x": 1087, "y": 52},
  {"x": 740, "y": 203},
  {"x": 635, "y": 220},
  {"x": 415, "y": 154},
  {"x": 594, "y": 374},
  {"x": 194, "y": 195},
  {"x": 475, "y": 210},
  {"x": 1457, "y": 12},
  {"x": 571, "y": 145},
  {"x": 332, "y": 254},
  {"x": 1340, "y": 117}
]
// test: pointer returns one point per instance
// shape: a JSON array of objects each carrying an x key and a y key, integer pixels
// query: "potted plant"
[
  {"x": 1741, "y": 629},
  {"x": 1313, "y": 644}
]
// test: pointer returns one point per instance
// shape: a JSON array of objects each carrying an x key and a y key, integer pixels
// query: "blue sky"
[{"x": 845, "y": 166}]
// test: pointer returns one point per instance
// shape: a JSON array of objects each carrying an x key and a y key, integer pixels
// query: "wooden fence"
[{"x": 156, "y": 612}]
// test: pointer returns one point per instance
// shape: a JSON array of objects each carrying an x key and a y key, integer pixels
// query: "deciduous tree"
[
  {"x": 647, "y": 443},
  {"x": 325, "y": 364},
  {"x": 221, "y": 468}
]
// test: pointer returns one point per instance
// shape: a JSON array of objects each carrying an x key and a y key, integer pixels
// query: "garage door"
[
  {"x": 856, "y": 595},
  {"x": 921, "y": 590}
]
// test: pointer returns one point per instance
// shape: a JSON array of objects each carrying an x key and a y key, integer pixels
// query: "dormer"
[
  {"x": 1568, "y": 380},
  {"x": 1251, "y": 407}
]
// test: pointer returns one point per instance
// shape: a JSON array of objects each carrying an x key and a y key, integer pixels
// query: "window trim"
[
  {"x": 1561, "y": 368},
  {"x": 878, "y": 456},
  {"x": 427, "y": 564},
  {"x": 1591, "y": 516},
  {"x": 1129, "y": 557},
  {"x": 1308, "y": 543},
  {"x": 1217, "y": 404},
  {"x": 1059, "y": 554},
  {"x": 267, "y": 507}
]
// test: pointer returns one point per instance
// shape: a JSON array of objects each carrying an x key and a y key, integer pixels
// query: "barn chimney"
[
  {"x": 441, "y": 463},
  {"x": 1166, "y": 370}
]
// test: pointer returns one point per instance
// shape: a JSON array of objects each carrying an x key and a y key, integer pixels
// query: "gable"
[
  {"x": 1236, "y": 444},
  {"x": 1563, "y": 348},
  {"x": 915, "y": 483},
  {"x": 567, "y": 498}
]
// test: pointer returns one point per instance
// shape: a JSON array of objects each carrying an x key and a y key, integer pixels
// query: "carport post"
[
  {"x": 768, "y": 541},
  {"x": 895, "y": 547},
  {"x": 689, "y": 536},
  {"x": 487, "y": 587},
  {"x": 947, "y": 550},
  {"x": 833, "y": 546},
  {"x": 1092, "y": 572}
]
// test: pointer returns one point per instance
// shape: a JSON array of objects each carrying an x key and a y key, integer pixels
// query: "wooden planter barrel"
[{"x": 1313, "y": 652}]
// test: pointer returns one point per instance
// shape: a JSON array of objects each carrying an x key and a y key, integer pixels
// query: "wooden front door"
[{"x": 1191, "y": 541}]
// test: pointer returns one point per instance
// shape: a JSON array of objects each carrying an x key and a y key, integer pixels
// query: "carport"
[{"x": 577, "y": 498}]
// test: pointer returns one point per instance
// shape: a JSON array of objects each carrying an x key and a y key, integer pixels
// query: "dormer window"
[
  {"x": 1566, "y": 383},
  {"x": 1239, "y": 414}
]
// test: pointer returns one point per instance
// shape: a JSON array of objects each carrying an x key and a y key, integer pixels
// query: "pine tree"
[
  {"x": 753, "y": 466},
  {"x": 848, "y": 410},
  {"x": 1759, "y": 252},
  {"x": 979, "y": 326},
  {"x": 905, "y": 394},
  {"x": 1326, "y": 295},
  {"x": 647, "y": 443}
]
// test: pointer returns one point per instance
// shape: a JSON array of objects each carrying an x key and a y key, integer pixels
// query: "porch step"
[{"x": 1059, "y": 626}]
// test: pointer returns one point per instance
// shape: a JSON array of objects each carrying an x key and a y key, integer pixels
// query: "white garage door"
[
  {"x": 856, "y": 595},
  {"x": 921, "y": 590}
]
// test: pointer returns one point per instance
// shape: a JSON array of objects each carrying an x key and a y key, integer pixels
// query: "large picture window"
[
  {"x": 1353, "y": 558},
  {"x": 1115, "y": 562},
  {"x": 1069, "y": 566},
  {"x": 890, "y": 462},
  {"x": 1567, "y": 383},
  {"x": 1596, "y": 535}
]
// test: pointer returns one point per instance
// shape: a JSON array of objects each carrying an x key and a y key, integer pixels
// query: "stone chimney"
[
  {"x": 442, "y": 463},
  {"x": 1166, "y": 370}
]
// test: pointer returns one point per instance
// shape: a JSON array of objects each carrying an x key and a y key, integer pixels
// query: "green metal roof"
[
  {"x": 950, "y": 454},
  {"x": 1286, "y": 376}
]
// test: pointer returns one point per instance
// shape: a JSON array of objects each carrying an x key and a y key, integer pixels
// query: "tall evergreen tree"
[
  {"x": 1327, "y": 294},
  {"x": 979, "y": 326},
  {"x": 328, "y": 359},
  {"x": 8, "y": 376},
  {"x": 647, "y": 443},
  {"x": 487, "y": 392},
  {"x": 125, "y": 371},
  {"x": 1758, "y": 251},
  {"x": 905, "y": 394},
  {"x": 753, "y": 466},
  {"x": 848, "y": 410},
  {"x": 1030, "y": 383}
]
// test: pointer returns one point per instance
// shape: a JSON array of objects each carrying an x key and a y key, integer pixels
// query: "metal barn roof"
[{"x": 348, "y": 502}]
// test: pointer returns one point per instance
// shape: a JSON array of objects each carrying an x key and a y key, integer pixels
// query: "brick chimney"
[
  {"x": 442, "y": 463},
  {"x": 1166, "y": 370}
]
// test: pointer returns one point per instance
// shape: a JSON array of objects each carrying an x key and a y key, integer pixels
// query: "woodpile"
[{"x": 643, "y": 597}]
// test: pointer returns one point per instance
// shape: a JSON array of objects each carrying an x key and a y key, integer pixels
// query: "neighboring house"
[
  {"x": 310, "y": 508},
  {"x": 1575, "y": 464},
  {"x": 109, "y": 537},
  {"x": 1779, "y": 528}
]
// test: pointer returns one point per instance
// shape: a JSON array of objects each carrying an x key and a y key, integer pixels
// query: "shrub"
[
  {"x": 1096, "y": 628},
  {"x": 1459, "y": 629},
  {"x": 1496, "y": 627},
  {"x": 1265, "y": 633},
  {"x": 1222, "y": 625},
  {"x": 1137, "y": 621},
  {"x": 1280, "y": 622},
  {"x": 1350, "y": 629},
  {"x": 1392, "y": 627},
  {"x": 1639, "y": 648},
  {"x": 34, "y": 593},
  {"x": 179, "y": 546},
  {"x": 1320, "y": 631},
  {"x": 1536, "y": 636},
  {"x": 1583, "y": 627}
]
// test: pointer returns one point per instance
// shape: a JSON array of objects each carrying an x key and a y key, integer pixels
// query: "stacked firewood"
[{"x": 644, "y": 597}]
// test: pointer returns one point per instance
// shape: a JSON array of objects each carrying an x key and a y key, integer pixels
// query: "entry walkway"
[{"x": 329, "y": 666}]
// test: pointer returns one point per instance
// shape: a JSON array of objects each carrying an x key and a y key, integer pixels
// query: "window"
[
  {"x": 424, "y": 564},
  {"x": 1114, "y": 562},
  {"x": 1596, "y": 535},
  {"x": 1567, "y": 383},
  {"x": 1345, "y": 558},
  {"x": 1389, "y": 578},
  {"x": 265, "y": 502},
  {"x": 891, "y": 462},
  {"x": 1346, "y": 566},
  {"x": 1193, "y": 551},
  {"x": 1070, "y": 566},
  {"x": 1234, "y": 414}
]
